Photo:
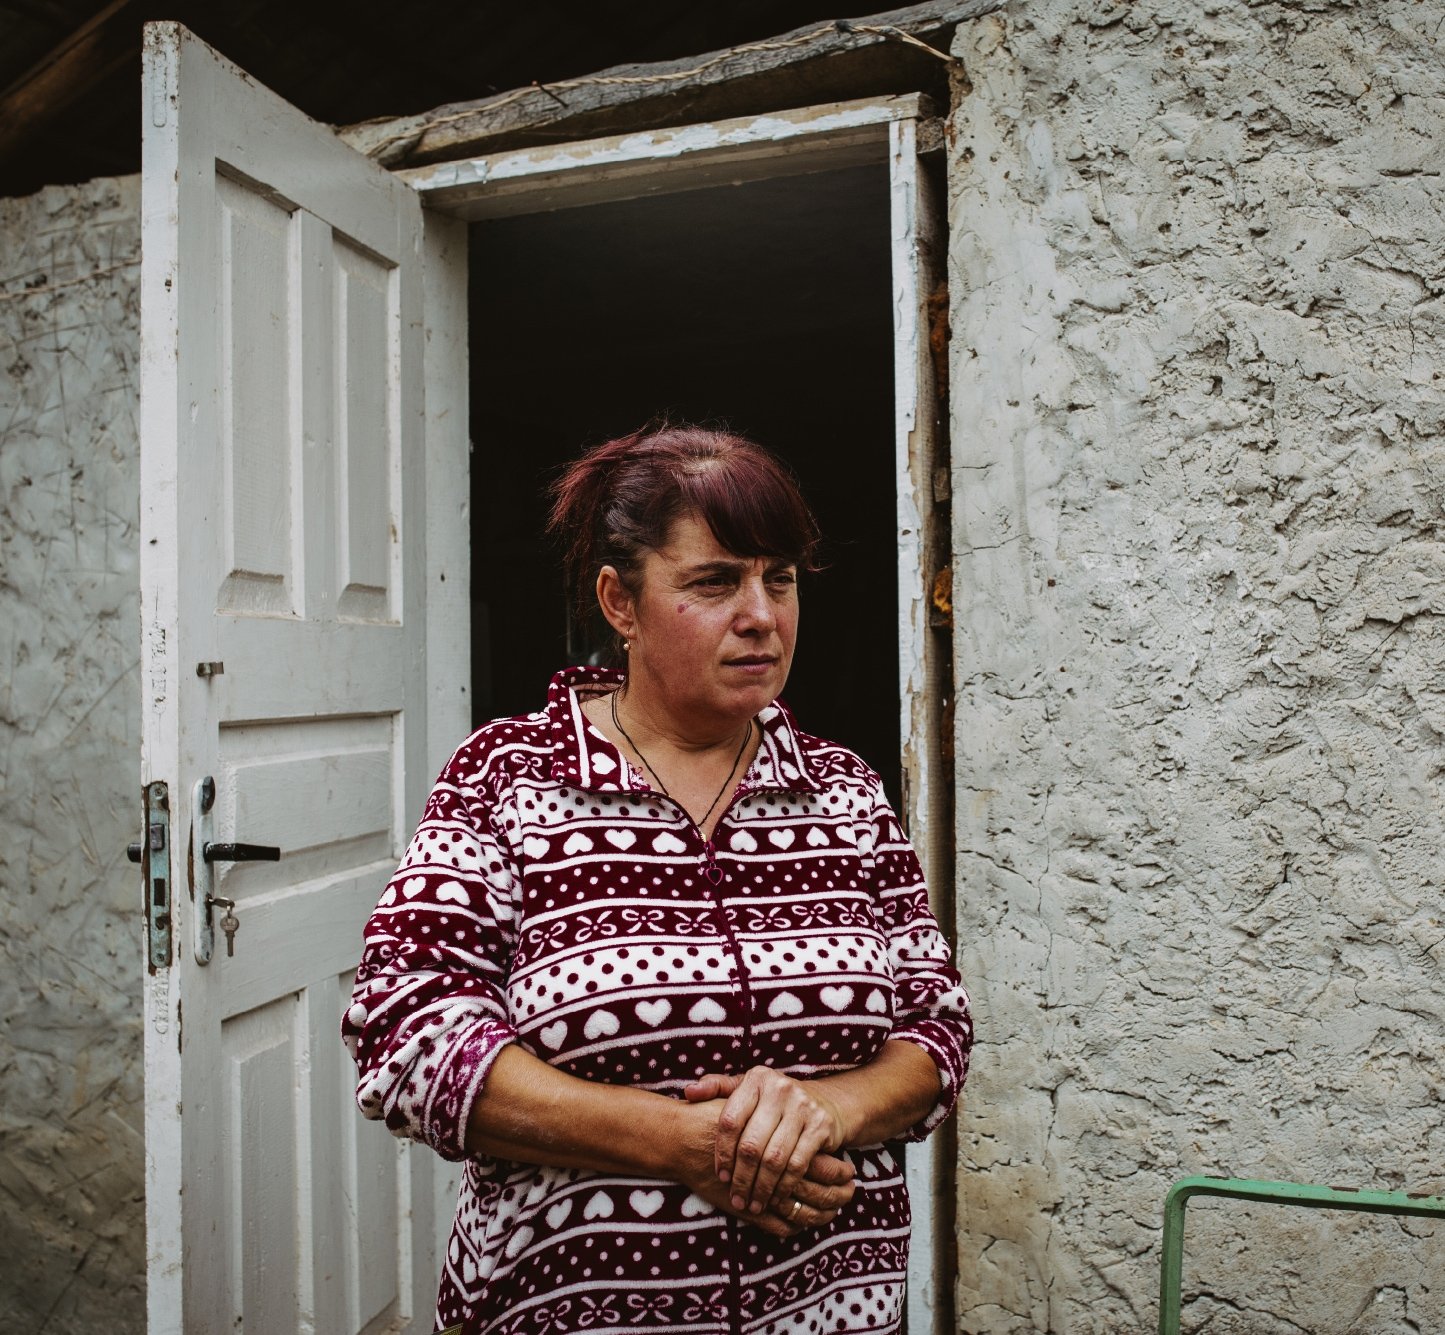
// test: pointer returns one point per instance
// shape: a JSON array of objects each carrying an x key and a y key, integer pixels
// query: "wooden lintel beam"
[
  {"x": 66, "y": 73},
  {"x": 822, "y": 62}
]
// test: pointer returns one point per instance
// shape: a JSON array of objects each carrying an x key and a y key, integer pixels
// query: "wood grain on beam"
[
  {"x": 67, "y": 72},
  {"x": 822, "y": 62}
]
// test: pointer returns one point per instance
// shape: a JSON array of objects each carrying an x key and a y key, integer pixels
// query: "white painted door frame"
[{"x": 892, "y": 130}]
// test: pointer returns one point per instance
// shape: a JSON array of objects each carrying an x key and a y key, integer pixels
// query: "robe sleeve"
[
  {"x": 931, "y": 1006},
  {"x": 428, "y": 1014}
]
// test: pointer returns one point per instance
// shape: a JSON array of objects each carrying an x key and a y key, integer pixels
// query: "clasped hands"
[{"x": 774, "y": 1152}]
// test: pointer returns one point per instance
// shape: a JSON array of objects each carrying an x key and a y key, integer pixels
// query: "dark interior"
[
  {"x": 70, "y": 70},
  {"x": 765, "y": 306}
]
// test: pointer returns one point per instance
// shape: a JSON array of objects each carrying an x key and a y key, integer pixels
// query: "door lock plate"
[{"x": 155, "y": 860}]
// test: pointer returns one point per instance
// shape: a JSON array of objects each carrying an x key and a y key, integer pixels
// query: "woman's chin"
[{"x": 756, "y": 691}]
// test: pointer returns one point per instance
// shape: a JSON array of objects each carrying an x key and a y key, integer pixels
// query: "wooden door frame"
[{"x": 895, "y": 131}]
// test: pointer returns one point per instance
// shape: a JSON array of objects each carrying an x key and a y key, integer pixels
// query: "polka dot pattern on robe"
[{"x": 551, "y": 898}]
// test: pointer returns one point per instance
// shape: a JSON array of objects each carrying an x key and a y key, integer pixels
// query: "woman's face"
[{"x": 712, "y": 633}]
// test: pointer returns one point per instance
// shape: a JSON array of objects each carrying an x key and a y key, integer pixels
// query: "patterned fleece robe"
[{"x": 551, "y": 898}]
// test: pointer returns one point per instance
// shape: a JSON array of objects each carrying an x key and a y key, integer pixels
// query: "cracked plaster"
[
  {"x": 1197, "y": 258},
  {"x": 71, "y": 1157}
]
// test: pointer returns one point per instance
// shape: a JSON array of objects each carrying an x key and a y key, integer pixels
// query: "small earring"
[{"x": 626, "y": 646}]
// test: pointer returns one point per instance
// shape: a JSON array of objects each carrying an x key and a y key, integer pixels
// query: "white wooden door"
[{"x": 283, "y": 621}]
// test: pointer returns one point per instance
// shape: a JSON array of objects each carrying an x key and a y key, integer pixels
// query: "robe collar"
[{"x": 583, "y": 758}]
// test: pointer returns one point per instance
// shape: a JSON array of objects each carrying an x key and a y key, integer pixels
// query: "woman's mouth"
[{"x": 751, "y": 663}]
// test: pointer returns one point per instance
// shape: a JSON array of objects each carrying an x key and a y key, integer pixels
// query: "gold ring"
[{"x": 793, "y": 1214}]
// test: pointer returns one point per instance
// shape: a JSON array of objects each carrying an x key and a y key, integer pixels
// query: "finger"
[
  {"x": 830, "y": 1170},
  {"x": 711, "y": 1087},
  {"x": 814, "y": 1127},
  {"x": 800, "y": 1157},
  {"x": 817, "y": 1196},
  {"x": 804, "y": 1217},
  {"x": 731, "y": 1123},
  {"x": 790, "y": 1143},
  {"x": 771, "y": 1224},
  {"x": 755, "y": 1134},
  {"x": 785, "y": 1130}
]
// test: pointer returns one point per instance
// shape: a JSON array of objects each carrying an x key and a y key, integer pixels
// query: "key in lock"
[{"x": 230, "y": 923}]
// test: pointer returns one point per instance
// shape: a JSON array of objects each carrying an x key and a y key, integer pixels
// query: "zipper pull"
[{"x": 710, "y": 869}]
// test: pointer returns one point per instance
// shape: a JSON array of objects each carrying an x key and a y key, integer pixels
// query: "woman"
[{"x": 658, "y": 965}]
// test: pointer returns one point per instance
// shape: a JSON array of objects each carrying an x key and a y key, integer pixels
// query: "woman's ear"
[{"x": 616, "y": 602}]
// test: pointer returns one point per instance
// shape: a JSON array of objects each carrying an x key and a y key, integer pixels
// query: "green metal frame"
[{"x": 1273, "y": 1193}]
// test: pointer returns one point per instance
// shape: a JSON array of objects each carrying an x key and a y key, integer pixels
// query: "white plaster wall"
[
  {"x": 1198, "y": 252},
  {"x": 71, "y": 1162}
]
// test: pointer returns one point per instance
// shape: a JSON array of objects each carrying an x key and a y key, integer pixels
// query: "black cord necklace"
[{"x": 742, "y": 746}]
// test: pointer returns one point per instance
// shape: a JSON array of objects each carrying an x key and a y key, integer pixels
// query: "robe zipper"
[{"x": 713, "y": 874}]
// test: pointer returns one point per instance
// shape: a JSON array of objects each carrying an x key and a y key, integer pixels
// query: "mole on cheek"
[{"x": 682, "y": 607}]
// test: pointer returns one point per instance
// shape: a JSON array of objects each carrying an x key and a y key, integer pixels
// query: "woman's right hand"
[{"x": 822, "y": 1191}]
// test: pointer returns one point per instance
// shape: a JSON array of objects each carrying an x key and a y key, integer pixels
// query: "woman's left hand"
[{"x": 768, "y": 1133}]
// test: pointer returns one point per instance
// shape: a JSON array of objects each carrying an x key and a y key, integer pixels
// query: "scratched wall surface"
[
  {"x": 71, "y": 1166},
  {"x": 1198, "y": 252}
]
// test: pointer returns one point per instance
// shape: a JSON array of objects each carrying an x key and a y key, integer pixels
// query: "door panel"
[{"x": 283, "y": 544}]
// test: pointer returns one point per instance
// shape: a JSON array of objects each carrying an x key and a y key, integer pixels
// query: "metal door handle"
[
  {"x": 203, "y": 875},
  {"x": 240, "y": 853}
]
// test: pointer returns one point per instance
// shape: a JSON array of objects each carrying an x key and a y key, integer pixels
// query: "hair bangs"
[{"x": 753, "y": 507}]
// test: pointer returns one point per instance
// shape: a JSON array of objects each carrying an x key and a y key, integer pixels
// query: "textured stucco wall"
[
  {"x": 71, "y": 1161},
  {"x": 1197, "y": 253},
  {"x": 1197, "y": 259}
]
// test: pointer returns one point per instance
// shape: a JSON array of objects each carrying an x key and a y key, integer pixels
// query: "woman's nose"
[{"x": 755, "y": 608}]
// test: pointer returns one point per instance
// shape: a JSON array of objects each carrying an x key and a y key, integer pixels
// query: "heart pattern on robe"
[
  {"x": 654, "y": 1012},
  {"x": 554, "y": 1035},
  {"x": 577, "y": 842},
  {"x": 600, "y": 1024},
  {"x": 646, "y": 1203},
  {"x": 599, "y": 1207},
  {"x": 784, "y": 1004},
  {"x": 557, "y": 1215},
  {"x": 621, "y": 839},
  {"x": 836, "y": 998},
  {"x": 452, "y": 893},
  {"x": 707, "y": 1011}
]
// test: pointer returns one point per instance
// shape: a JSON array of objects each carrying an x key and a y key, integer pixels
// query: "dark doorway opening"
[{"x": 764, "y": 305}]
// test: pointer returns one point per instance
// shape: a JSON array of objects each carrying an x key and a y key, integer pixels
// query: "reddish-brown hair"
[{"x": 619, "y": 500}]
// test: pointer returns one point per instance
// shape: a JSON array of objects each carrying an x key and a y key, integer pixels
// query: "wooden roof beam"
[
  {"x": 70, "y": 70},
  {"x": 901, "y": 50}
]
